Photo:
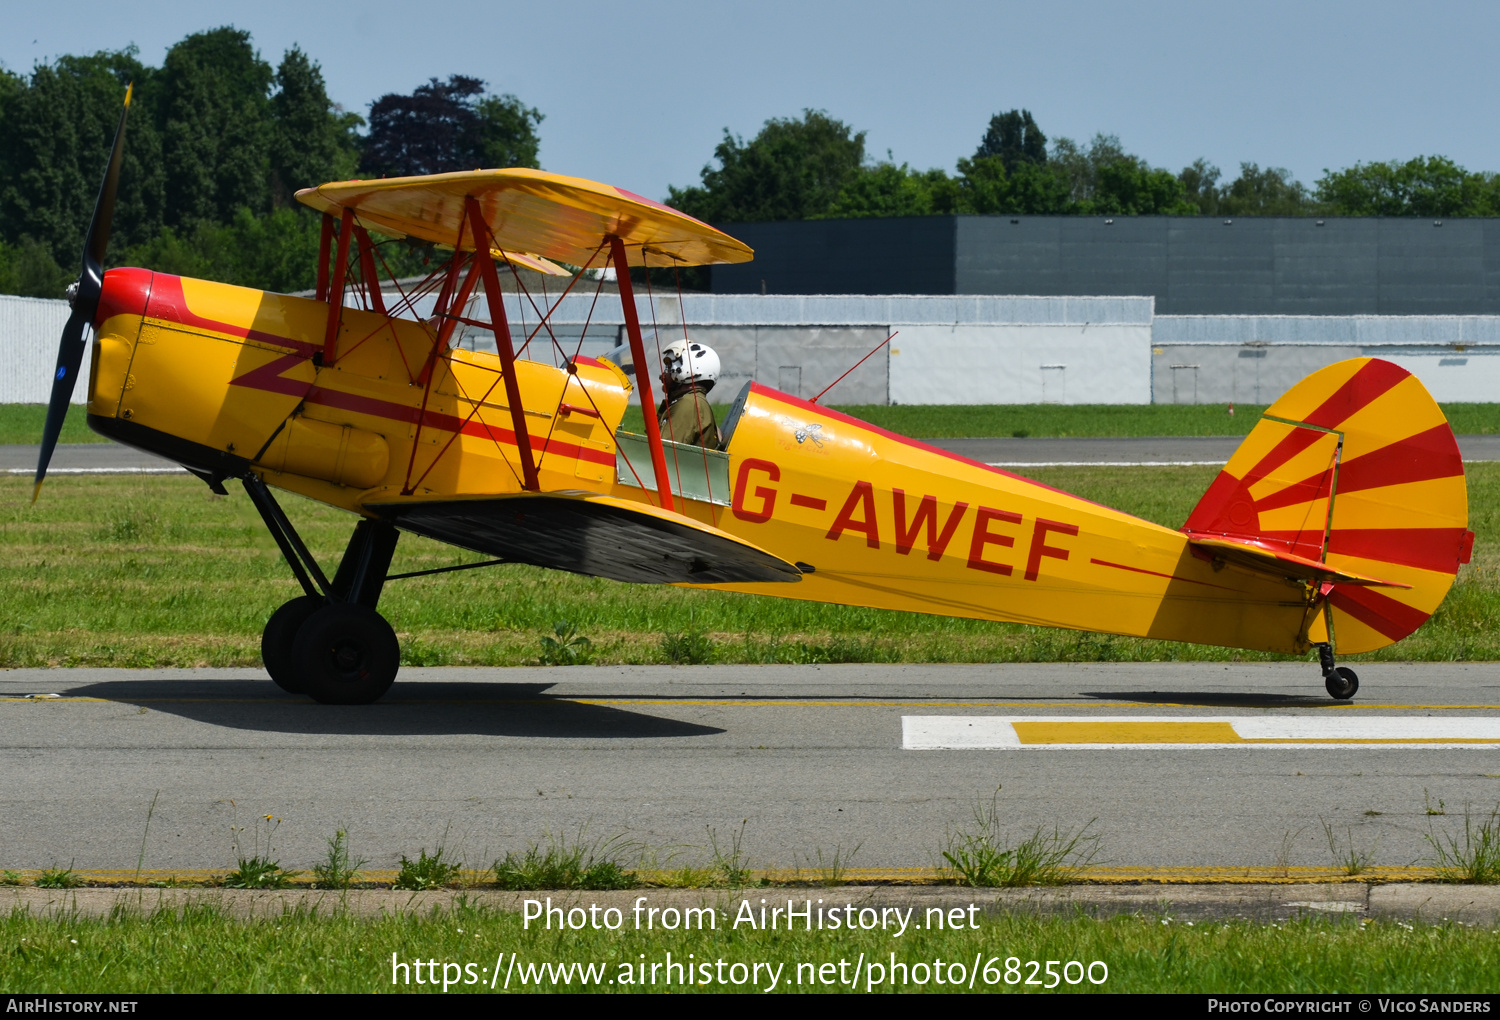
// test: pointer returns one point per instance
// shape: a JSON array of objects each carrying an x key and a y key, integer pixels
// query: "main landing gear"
[
  {"x": 1340, "y": 681},
  {"x": 330, "y": 643}
]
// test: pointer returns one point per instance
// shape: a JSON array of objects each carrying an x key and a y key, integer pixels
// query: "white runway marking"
[
  {"x": 983, "y": 732},
  {"x": 100, "y": 471}
]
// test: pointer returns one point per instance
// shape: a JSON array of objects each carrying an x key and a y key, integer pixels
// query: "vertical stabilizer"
[{"x": 1356, "y": 466}]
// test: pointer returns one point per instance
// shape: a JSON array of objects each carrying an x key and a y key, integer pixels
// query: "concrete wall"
[
  {"x": 1191, "y": 265},
  {"x": 30, "y": 329},
  {"x": 948, "y": 349},
  {"x": 1254, "y": 359}
]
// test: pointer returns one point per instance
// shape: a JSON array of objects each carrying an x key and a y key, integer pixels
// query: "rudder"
[{"x": 1355, "y": 466}]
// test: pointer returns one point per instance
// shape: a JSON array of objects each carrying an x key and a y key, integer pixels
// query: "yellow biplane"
[{"x": 1344, "y": 512}]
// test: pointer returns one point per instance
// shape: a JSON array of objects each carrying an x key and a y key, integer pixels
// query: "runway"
[
  {"x": 112, "y": 458},
  {"x": 808, "y": 759}
]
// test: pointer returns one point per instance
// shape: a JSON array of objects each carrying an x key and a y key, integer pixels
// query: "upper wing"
[
  {"x": 549, "y": 215},
  {"x": 310, "y": 198},
  {"x": 587, "y": 533}
]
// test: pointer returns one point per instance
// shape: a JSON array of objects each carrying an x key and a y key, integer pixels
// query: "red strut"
[{"x": 642, "y": 373}]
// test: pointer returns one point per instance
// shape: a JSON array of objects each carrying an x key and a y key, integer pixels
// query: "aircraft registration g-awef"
[{"x": 1341, "y": 521}]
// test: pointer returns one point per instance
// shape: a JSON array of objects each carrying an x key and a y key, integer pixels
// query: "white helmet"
[{"x": 687, "y": 361}]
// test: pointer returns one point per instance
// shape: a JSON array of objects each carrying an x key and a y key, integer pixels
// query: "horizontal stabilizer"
[
  {"x": 1282, "y": 564},
  {"x": 587, "y": 533}
]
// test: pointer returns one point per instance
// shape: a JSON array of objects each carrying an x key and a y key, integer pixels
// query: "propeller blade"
[
  {"x": 97, "y": 242},
  {"x": 84, "y": 296},
  {"x": 69, "y": 359}
]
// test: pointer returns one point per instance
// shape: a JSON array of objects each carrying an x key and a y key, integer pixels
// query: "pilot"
[{"x": 689, "y": 370}]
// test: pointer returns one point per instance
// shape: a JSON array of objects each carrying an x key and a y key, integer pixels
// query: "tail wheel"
[
  {"x": 1342, "y": 683},
  {"x": 277, "y": 639},
  {"x": 348, "y": 655}
]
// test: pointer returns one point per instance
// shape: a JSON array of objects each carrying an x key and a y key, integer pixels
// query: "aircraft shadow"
[
  {"x": 482, "y": 709},
  {"x": 1217, "y": 700}
]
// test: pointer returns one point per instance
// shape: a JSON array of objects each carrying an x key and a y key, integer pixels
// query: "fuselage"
[{"x": 227, "y": 379}]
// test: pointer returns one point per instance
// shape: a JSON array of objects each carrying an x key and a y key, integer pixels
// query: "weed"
[
  {"x": 10, "y": 878},
  {"x": 426, "y": 872},
  {"x": 1474, "y": 860},
  {"x": 729, "y": 867},
  {"x": 59, "y": 878},
  {"x": 691, "y": 647},
  {"x": 1441, "y": 809},
  {"x": 979, "y": 856},
  {"x": 567, "y": 647},
  {"x": 338, "y": 870},
  {"x": 1284, "y": 855},
  {"x": 258, "y": 870},
  {"x": 141, "y": 860},
  {"x": 1350, "y": 858},
  {"x": 562, "y": 866},
  {"x": 831, "y": 870}
]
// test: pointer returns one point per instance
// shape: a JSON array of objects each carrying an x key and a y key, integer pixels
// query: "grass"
[
  {"x": 204, "y": 951},
  {"x": 1473, "y": 858},
  {"x": 145, "y": 571},
  {"x": 337, "y": 870},
  {"x": 426, "y": 872},
  {"x": 1348, "y": 856},
  {"x": 556, "y": 863},
  {"x": 21, "y": 424},
  {"x": 980, "y": 854}
]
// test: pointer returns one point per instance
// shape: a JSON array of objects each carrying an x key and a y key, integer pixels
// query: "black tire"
[
  {"x": 277, "y": 639},
  {"x": 1343, "y": 684},
  {"x": 348, "y": 655}
]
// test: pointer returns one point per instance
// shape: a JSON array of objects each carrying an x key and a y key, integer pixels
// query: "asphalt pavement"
[{"x": 803, "y": 760}]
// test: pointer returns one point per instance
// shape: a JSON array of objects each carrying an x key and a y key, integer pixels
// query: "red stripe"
[
  {"x": 1305, "y": 491},
  {"x": 1291, "y": 445},
  {"x": 1437, "y": 549},
  {"x": 450, "y": 423},
  {"x": 1418, "y": 458},
  {"x": 269, "y": 379},
  {"x": 811, "y": 502},
  {"x": 1378, "y": 612},
  {"x": 168, "y": 302},
  {"x": 1157, "y": 573},
  {"x": 1374, "y": 379}
]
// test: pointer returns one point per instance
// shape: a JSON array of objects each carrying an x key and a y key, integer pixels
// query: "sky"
[{"x": 638, "y": 94}]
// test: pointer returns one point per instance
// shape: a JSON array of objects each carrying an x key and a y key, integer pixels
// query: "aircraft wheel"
[
  {"x": 1343, "y": 685},
  {"x": 277, "y": 639},
  {"x": 348, "y": 653}
]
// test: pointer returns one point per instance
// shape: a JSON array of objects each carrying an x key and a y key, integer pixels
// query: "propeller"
[{"x": 84, "y": 297}]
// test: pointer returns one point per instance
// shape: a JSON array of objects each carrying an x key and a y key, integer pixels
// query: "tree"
[
  {"x": 986, "y": 187},
  {"x": 1200, "y": 186},
  {"x": 1268, "y": 192},
  {"x": 889, "y": 190},
  {"x": 447, "y": 126},
  {"x": 791, "y": 170},
  {"x": 1424, "y": 186},
  {"x": 216, "y": 127},
  {"x": 312, "y": 141},
  {"x": 1015, "y": 138},
  {"x": 56, "y": 128}
]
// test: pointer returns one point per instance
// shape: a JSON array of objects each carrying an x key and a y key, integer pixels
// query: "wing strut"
[
  {"x": 496, "y": 300},
  {"x": 642, "y": 375},
  {"x": 336, "y": 294}
]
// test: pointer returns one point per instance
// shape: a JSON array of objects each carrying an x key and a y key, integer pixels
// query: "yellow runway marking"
[{"x": 976, "y": 732}]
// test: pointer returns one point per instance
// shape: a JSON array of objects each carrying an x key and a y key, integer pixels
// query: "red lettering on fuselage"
[
  {"x": 982, "y": 537},
  {"x": 906, "y": 536},
  {"x": 862, "y": 497},
  {"x": 1040, "y": 548},
  {"x": 764, "y": 493}
]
